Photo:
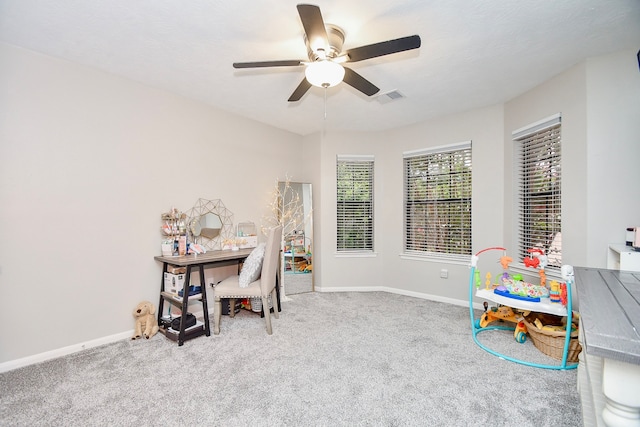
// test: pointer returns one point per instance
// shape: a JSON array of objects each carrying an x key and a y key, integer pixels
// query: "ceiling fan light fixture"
[
  {"x": 324, "y": 44},
  {"x": 324, "y": 73}
]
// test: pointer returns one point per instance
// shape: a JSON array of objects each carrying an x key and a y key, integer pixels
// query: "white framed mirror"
[{"x": 296, "y": 211}]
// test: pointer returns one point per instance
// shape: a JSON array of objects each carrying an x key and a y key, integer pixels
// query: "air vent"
[{"x": 387, "y": 97}]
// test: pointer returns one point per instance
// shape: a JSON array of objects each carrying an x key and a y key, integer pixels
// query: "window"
[
  {"x": 537, "y": 154},
  {"x": 437, "y": 202},
  {"x": 355, "y": 203}
]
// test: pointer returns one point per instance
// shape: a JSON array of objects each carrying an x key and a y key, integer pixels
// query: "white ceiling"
[{"x": 474, "y": 53}]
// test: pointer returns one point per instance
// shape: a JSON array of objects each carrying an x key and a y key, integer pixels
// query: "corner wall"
[
  {"x": 600, "y": 105},
  {"x": 484, "y": 127},
  {"x": 564, "y": 94}
]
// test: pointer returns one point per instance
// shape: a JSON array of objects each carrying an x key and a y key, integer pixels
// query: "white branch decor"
[{"x": 285, "y": 209}]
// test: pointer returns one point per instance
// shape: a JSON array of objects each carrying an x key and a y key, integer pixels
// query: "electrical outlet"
[{"x": 444, "y": 273}]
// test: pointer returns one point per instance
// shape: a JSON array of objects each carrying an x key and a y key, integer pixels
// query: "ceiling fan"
[{"x": 324, "y": 46}]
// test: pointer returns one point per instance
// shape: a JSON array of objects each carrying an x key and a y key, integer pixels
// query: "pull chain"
[{"x": 325, "y": 102}]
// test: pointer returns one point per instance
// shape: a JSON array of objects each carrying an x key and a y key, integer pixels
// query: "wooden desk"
[
  {"x": 211, "y": 258},
  {"x": 609, "y": 368}
]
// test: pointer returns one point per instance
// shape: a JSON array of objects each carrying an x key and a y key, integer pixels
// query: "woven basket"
[{"x": 551, "y": 343}]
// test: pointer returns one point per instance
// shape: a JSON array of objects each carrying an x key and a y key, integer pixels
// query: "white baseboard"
[
  {"x": 430, "y": 297},
  {"x": 64, "y": 351}
]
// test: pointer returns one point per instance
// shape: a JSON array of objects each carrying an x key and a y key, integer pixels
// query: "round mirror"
[{"x": 210, "y": 225}]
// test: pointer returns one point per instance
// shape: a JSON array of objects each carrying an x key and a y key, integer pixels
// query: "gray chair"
[{"x": 263, "y": 287}]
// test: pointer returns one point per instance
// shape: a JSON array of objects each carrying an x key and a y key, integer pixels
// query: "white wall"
[
  {"x": 89, "y": 162},
  {"x": 311, "y": 151},
  {"x": 613, "y": 151}
]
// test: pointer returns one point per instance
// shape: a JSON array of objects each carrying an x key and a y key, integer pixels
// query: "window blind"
[
  {"x": 355, "y": 203},
  {"x": 538, "y": 174},
  {"x": 438, "y": 201}
]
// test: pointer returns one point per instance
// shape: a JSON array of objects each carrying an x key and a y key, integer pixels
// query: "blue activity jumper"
[{"x": 567, "y": 275}]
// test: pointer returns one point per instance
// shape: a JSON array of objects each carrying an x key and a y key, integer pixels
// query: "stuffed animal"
[{"x": 146, "y": 323}]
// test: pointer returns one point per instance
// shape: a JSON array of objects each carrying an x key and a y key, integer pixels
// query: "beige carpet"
[{"x": 334, "y": 359}]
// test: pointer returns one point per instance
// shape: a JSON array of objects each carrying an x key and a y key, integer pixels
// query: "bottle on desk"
[{"x": 182, "y": 245}]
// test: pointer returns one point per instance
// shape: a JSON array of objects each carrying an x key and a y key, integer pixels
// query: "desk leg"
[
  {"x": 161, "y": 303},
  {"x": 205, "y": 309},
  {"x": 278, "y": 291},
  {"x": 185, "y": 305}
]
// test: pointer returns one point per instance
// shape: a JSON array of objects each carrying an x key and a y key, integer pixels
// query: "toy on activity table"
[
  {"x": 537, "y": 261},
  {"x": 554, "y": 292},
  {"x": 504, "y": 262},
  {"x": 558, "y": 292},
  {"x": 563, "y": 294},
  {"x": 487, "y": 283}
]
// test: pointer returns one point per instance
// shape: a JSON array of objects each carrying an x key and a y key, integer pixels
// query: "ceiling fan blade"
[
  {"x": 302, "y": 88},
  {"x": 383, "y": 48},
  {"x": 314, "y": 28},
  {"x": 358, "y": 82},
  {"x": 261, "y": 64}
]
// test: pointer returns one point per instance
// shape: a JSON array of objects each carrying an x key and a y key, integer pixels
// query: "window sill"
[
  {"x": 450, "y": 259},
  {"x": 355, "y": 254}
]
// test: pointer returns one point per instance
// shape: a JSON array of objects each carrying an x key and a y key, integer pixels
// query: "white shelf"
[
  {"x": 621, "y": 257},
  {"x": 178, "y": 298}
]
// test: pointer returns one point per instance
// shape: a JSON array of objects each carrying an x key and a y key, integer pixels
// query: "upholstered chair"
[{"x": 256, "y": 279}]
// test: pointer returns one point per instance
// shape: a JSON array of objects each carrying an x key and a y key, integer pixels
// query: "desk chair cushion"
[
  {"x": 229, "y": 288},
  {"x": 252, "y": 266}
]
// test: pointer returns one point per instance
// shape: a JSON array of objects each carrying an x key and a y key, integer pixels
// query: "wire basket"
[
  {"x": 551, "y": 343},
  {"x": 256, "y": 304}
]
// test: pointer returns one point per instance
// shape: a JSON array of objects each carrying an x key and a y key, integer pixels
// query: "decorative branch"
[{"x": 285, "y": 209}]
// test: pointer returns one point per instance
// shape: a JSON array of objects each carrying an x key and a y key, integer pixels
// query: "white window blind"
[
  {"x": 538, "y": 174},
  {"x": 355, "y": 203},
  {"x": 438, "y": 201}
]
